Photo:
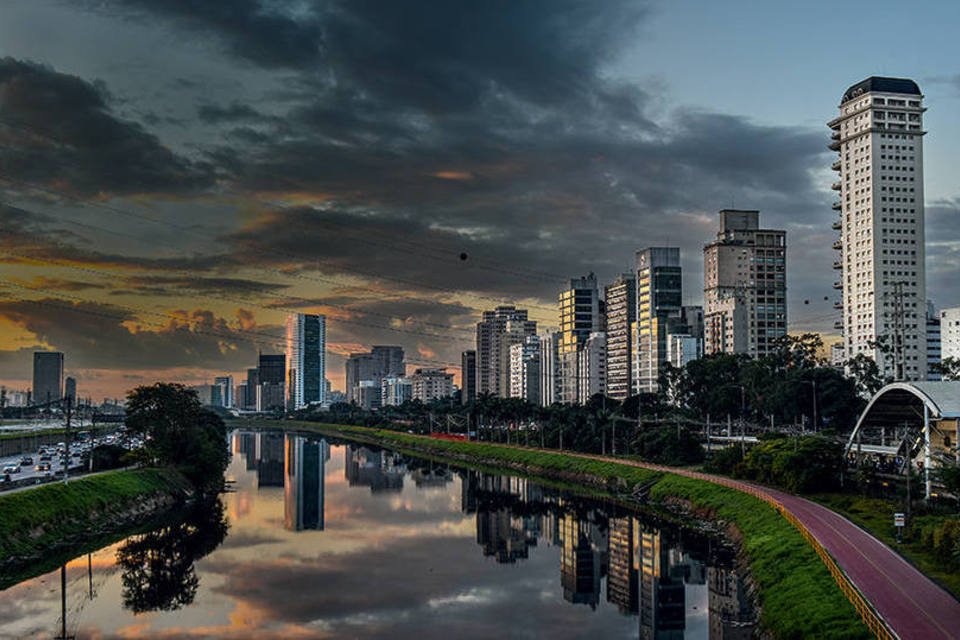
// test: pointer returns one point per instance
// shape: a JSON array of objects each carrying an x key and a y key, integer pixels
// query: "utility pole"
[
  {"x": 66, "y": 453},
  {"x": 899, "y": 326}
]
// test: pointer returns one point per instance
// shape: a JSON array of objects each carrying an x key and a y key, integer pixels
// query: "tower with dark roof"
[{"x": 882, "y": 280}]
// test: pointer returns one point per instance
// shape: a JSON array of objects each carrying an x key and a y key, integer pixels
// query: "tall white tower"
[{"x": 879, "y": 135}]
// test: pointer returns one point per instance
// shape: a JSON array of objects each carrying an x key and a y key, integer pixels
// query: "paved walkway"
[{"x": 911, "y": 604}]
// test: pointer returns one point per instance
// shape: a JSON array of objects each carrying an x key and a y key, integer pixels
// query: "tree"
[
  {"x": 865, "y": 372},
  {"x": 158, "y": 566},
  {"x": 948, "y": 368},
  {"x": 179, "y": 432}
]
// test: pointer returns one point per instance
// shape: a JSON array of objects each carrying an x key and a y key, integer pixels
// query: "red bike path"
[{"x": 911, "y": 604}]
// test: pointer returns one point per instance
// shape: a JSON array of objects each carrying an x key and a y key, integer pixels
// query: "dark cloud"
[
  {"x": 102, "y": 336},
  {"x": 235, "y": 112},
  {"x": 177, "y": 285},
  {"x": 58, "y": 130}
]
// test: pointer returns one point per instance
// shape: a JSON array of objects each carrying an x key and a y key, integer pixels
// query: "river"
[{"x": 334, "y": 540}]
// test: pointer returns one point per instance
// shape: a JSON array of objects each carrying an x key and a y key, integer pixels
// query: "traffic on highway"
[{"x": 48, "y": 461}]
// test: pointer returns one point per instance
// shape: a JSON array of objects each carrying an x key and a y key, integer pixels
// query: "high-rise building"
[
  {"x": 879, "y": 137},
  {"x": 47, "y": 376},
  {"x": 395, "y": 390},
  {"x": 269, "y": 448},
  {"x": 226, "y": 390},
  {"x": 373, "y": 367},
  {"x": 621, "y": 301},
  {"x": 592, "y": 367},
  {"x": 580, "y": 316},
  {"x": 368, "y": 395},
  {"x": 744, "y": 286},
  {"x": 271, "y": 368},
  {"x": 659, "y": 293},
  {"x": 683, "y": 348},
  {"x": 306, "y": 360},
  {"x": 933, "y": 342},
  {"x": 431, "y": 384},
  {"x": 70, "y": 390},
  {"x": 496, "y": 332},
  {"x": 525, "y": 370},
  {"x": 549, "y": 369},
  {"x": 250, "y": 391},
  {"x": 304, "y": 467},
  {"x": 468, "y": 376},
  {"x": 950, "y": 333}
]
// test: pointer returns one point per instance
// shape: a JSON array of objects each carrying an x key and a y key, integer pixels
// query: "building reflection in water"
[
  {"x": 303, "y": 491},
  {"x": 269, "y": 459},
  {"x": 655, "y": 572},
  {"x": 378, "y": 469},
  {"x": 648, "y": 570}
]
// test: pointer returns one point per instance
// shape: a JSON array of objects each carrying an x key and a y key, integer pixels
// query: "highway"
[{"x": 28, "y": 472}]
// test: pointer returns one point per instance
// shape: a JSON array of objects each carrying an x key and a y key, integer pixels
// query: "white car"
[{"x": 11, "y": 468}]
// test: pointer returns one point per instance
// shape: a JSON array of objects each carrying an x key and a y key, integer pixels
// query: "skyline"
[{"x": 272, "y": 163}]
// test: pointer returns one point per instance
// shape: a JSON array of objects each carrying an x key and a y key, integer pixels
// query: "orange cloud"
[{"x": 460, "y": 176}]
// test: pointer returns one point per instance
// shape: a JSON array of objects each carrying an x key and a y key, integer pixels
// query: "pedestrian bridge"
[{"x": 911, "y": 413}]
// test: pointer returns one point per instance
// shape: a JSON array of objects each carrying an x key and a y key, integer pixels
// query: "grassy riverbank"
[
  {"x": 876, "y": 516},
  {"x": 797, "y": 594},
  {"x": 39, "y": 522}
]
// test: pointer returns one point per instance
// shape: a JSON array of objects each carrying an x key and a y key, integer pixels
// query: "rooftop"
[{"x": 880, "y": 84}]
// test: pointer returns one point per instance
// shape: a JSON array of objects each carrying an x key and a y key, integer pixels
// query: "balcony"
[
  {"x": 836, "y": 165},
  {"x": 836, "y": 186},
  {"x": 837, "y": 225},
  {"x": 834, "y": 146},
  {"x": 835, "y": 135},
  {"x": 837, "y": 284},
  {"x": 838, "y": 304},
  {"x": 838, "y": 325},
  {"x": 836, "y": 206},
  {"x": 837, "y": 265},
  {"x": 837, "y": 244}
]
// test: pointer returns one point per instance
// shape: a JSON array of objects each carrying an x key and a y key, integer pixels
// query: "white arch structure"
[{"x": 900, "y": 402}]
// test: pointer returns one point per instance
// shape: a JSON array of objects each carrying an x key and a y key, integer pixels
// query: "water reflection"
[
  {"x": 342, "y": 540},
  {"x": 648, "y": 569},
  {"x": 158, "y": 567}
]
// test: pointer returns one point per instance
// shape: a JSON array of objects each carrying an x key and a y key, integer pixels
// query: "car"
[
  {"x": 26, "y": 460},
  {"x": 11, "y": 468},
  {"x": 42, "y": 466},
  {"x": 46, "y": 457},
  {"x": 41, "y": 451}
]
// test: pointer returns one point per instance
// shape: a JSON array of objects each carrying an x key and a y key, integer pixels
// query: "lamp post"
[{"x": 814, "y": 383}]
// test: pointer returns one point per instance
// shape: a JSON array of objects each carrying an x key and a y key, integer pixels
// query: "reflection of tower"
[
  {"x": 269, "y": 459},
  {"x": 662, "y": 615},
  {"x": 469, "y": 482},
  {"x": 622, "y": 572},
  {"x": 246, "y": 446},
  {"x": 581, "y": 561},
  {"x": 379, "y": 470},
  {"x": 501, "y": 535},
  {"x": 303, "y": 489},
  {"x": 730, "y": 615}
]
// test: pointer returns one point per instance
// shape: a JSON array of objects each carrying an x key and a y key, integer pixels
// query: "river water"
[{"x": 321, "y": 540}]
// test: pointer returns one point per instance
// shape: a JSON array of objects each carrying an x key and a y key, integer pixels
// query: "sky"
[{"x": 177, "y": 177}]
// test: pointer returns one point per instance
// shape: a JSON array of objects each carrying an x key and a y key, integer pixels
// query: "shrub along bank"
[
  {"x": 797, "y": 595},
  {"x": 42, "y": 521}
]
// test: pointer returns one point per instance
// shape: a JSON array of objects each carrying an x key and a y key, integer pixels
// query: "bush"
[
  {"x": 724, "y": 461},
  {"x": 108, "y": 456},
  {"x": 668, "y": 445},
  {"x": 800, "y": 464}
]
